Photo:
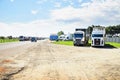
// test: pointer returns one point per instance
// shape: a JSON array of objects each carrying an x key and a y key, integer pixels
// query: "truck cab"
[
  {"x": 33, "y": 39},
  {"x": 21, "y": 38},
  {"x": 80, "y": 37},
  {"x": 98, "y": 36}
]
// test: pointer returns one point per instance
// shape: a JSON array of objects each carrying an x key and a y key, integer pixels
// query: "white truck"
[
  {"x": 68, "y": 37},
  {"x": 80, "y": 37},
  {"x": 61, "y": 37},
  {"x": 98, "y": 36}
]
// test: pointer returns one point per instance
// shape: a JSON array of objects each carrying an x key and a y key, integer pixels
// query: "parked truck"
[
  {"x": 21, "y": 38},
  {"x": 98, "y": 36},
  {"x": 80, "y": 37}
]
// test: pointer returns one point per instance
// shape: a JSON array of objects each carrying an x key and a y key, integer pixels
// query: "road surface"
[{"x": 46, "y": 61}]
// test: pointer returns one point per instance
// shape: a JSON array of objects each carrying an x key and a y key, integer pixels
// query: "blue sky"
[
  {"x": 29, "y": 10},
  {"x": 43, "y": 17}
]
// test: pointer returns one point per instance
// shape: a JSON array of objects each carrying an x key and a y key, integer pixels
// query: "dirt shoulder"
[
  {"x": 46, "y": 61},
  {"x": 8, "y": 64}
]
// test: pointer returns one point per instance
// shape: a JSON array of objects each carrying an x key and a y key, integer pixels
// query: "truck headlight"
[{"x": 83, "y": 39}]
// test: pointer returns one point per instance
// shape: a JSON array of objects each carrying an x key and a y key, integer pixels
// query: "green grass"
[
  {"x": 108, "y": 44},
  {"x": 114, "y": 44},
  {"x": 8, "y": 40},
  {"x": 69, "y": 43}
]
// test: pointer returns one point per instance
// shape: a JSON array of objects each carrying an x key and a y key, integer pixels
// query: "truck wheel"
[{"x": 74, "y": 44}]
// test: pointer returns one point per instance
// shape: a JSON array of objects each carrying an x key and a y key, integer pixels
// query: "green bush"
[{"x": 8, "y": 40}]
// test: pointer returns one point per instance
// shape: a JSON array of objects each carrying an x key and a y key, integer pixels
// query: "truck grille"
[
  {"x": 78, "y": 40},
  {"x": 97, "y": 41}
]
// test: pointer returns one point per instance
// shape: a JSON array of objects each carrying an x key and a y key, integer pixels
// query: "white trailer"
[
  {"x": 98, "y": 36},
  {"x": 68, "y": 36},
  {"x": 61, "y": 37}
]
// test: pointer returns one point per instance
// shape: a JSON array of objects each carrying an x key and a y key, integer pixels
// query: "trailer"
[
  {"x": 68, "y": 37},
  {"x": 98, "y": 36},
  {"x": 80, "y": 37},
  {"x": 53, "y": 37},
  {"x": 21, "y": 38},
  {"x": 61, "y": 37}
]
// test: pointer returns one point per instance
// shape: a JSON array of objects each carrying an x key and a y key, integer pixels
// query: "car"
[{"x": 33, "y": 39}]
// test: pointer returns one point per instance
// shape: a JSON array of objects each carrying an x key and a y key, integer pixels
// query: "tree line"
[
  {"x": 115, "y": 29},
  {"x": 8, "y": 37}
]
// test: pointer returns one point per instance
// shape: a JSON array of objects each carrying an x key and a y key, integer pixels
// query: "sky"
[{"x": 44, "y": 17}]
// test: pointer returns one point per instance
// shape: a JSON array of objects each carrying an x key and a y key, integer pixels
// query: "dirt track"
[{"x": 46, "y": 61}]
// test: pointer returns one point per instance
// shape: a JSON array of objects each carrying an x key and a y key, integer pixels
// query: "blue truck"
[{"x": 53, "y": 37}]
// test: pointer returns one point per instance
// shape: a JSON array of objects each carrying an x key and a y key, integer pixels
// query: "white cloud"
[
  {"x": 34, "y": 12},
  {"x": 97, "y": 11},
  {"x": 71, "y": 3},
  {"x": 101, "y": 12},
  {"x": 11, "y": 0},
  {"x": 80, "y": 1},
  {"x": 36, "y": 28}
]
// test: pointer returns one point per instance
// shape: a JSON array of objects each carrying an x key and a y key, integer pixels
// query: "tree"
[
  {"x": 60, "y": 33},
  {"x": 113, "y": 29},
  {"x": 89, "y": 29},
  {"x": 2, "y": 37},
  {"x": 10, "y": 37}
]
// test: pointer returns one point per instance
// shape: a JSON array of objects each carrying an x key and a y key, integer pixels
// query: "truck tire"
[{"x": 74, "y": 44}]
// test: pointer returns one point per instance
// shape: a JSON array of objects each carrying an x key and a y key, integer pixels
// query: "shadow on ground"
[{"x": 107, "y": 46}]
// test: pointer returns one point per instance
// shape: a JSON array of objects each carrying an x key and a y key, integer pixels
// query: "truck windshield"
[
  {"x": 78, "y": 35},
  {"x": 97, "y": 35},
  {"x": 21, "y": 37}
]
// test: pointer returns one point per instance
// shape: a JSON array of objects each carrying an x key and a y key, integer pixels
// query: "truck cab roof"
[{"x": 77, "y": 32}]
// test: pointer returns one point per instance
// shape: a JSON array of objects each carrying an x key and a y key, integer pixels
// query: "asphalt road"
[
  {"x": 43, "y": 60},
  {"x": 12, "y": 44}
]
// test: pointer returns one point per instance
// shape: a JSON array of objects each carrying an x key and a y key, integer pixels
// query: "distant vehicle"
[
  {"x": 61, "y": 37},
  {"x": 80, "y": 37},
  {"x": 53, "y": 37},
  {"x": 33, "y": 39},
  {"x": 98, "y": 36},
  {"x": 68, "y": 37},
  {"x": 24, "y": 38},
  {"x": 21, "y": 38}
]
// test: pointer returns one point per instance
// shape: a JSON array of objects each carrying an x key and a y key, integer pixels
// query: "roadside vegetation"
[
  {"x": 114, "y": 44},
  {"x": 70, "y": 43},
  {"x": 8, "y": 39},
  {"x": 111, "y": 30}
]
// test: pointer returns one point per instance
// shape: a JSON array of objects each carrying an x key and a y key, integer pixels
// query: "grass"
[
  {"x": 107, "y": 45},
  {"x": 8, "y": 40},
  {"x": 114, "y": 44},
  {"x": 69, "y": 43}
]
